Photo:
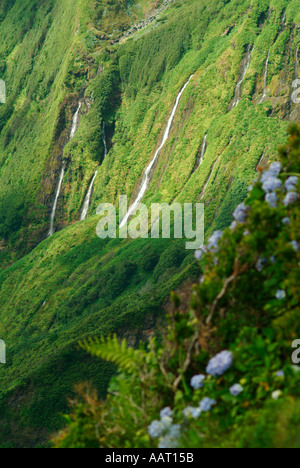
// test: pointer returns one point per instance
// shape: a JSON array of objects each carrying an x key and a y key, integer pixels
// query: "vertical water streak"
[
  {"x": 203, "y": 150},
  {"x": 238, "y": 89},
  {"x": 53, "y": 212},
  {"x": 87, "y": 199},
  {"x": 75, "y": 122},
  {"x": 104, "y": 141},
  {"x": 146, "y": 176},
  {"x": 75, "y": 125},
  {"x": 265, "y": 93}
]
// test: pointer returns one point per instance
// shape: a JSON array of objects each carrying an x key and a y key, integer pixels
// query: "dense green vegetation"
[
  {"x": 247, "y": 302},
  {"x": 55, "y": 292}
]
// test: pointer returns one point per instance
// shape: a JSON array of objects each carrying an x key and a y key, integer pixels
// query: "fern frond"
[{"x": 111, "y": 350}]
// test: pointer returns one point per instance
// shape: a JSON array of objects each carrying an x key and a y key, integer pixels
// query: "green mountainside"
[{"x": 58, "y": 54}]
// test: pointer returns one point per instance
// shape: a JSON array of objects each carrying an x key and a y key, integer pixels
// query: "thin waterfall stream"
[
  {"x": 104, "y": 141},
  {"x": 75, "y": 125},
  {"x": 87, "y": 200},
  {"x": 53, "y": 212},
  {"x": 146, "y": 176},
  {"x": 265, "y": 93},
  {"x": 238, "y": 89},
  {"x": 203, "y": 150}
]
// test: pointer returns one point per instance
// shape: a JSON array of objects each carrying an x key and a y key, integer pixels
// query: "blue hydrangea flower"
[
  {"x": 197, "y": 381},
  {"x": 273, "y": 171},
  {"x": 295, "y": 245},
  {"x": 171, "y": 439},
  {"x": 280, "y": 374},
  {"x": 214, "y": 240},
  {"x": 240, "y": 213},
  {"x": 236, "y": 389},
  {"x": 286, "y": 221},
  {"x": 233, "y": 225},
  {"x": 155, "y": 430},
  {"x": 206, "y": 404},
  {"x": 175, "y": 431},
  {"x": 166, "y": 413},
  {"x": 275, "y": 168},
  {"x": 291, "y": 184},
  {"x": 271, "y": 184},
  {"x": 166, "y": 423},
  {"x": 168, "y": 442},
  {"x": 190, "y": 412},
  {"x": 290, "y": 198},
  {"x": 272, "y": 199},
  {"x": 220, "y": 363},
  {"x": 281, "y": 294}
]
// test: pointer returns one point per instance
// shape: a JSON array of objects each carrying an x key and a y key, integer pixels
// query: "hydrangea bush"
[{"x": 221, "y": 374}]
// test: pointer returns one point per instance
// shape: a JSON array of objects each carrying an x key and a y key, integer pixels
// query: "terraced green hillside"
[{"x": 56, "y": 54}]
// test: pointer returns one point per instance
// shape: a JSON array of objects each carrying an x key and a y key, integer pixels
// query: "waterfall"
[
  {"x": 104, "y": 141},
  {"x": 203, "y": 150},
  {"x": 53, "y": 212},
  {"x": 75, "y": 122},
  {"x": 283, "y": 20},
  {"x": 238, "y": 89},
  {"x": 146, "y": 176},
  {"x": 88, "y": 196},
  {"x": 265, "y": 93},
  {"x": 87, "y": 199}
]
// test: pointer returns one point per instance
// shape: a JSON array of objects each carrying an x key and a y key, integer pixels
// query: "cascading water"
[
  {"x": 88, "y": 196},
  {"x": 238, "y": 89},
  {"x": 104, "y": 141},
  {"x": 283, "y": 20},
  {"x": 53, "y": 212},
  {"x": 146, "y": 176},
  {"x": 87, "y": 199},
  {"x": 75, "y": 121},
  {"x": 265, "y": 93},
  {"x": 75, "y": 124},
  {"x": 203, "y": 150}
]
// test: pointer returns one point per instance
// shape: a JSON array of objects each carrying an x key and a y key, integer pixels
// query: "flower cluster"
[
  {"x": 164, "y": 430},
  {"x": 206, "y": 404},
  {"x": 197, "y": 381},
  {"x": 236, "y": 389},
  {"x": 240, "y": 214},
  {"x": 220, "y": 363},
  {"x": 271, "y": 183}
]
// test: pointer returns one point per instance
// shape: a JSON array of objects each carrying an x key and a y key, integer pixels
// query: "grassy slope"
[{"x": 89, "y": 286}]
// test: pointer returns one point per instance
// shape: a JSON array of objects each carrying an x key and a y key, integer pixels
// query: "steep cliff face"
[
  {"x": 118, "y": 67},
  {"x": 244, "y": 59}
]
